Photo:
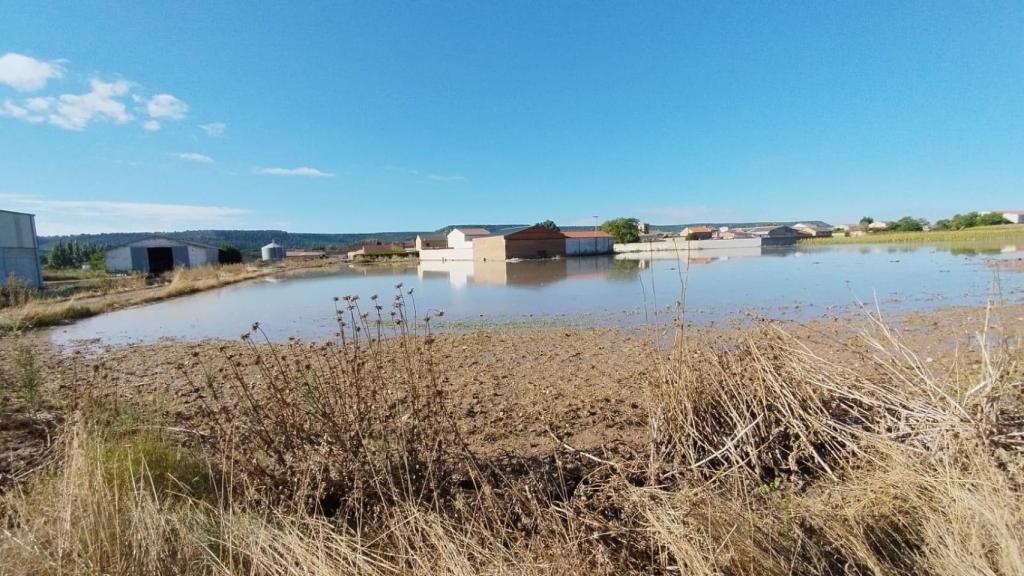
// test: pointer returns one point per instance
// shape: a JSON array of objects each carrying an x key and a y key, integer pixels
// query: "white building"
[
  {"x": 19, "y": 248},
  {"x": 460, "y": 245},
  {"x": 1014, "y": 217},
  {"x": 157, "y": 254}
]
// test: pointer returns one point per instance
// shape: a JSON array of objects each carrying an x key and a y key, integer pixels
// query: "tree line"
[
  {"x": 65, "y": 255},
  {"x": 957, "y": 222}
]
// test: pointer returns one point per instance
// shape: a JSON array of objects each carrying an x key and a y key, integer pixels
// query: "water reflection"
[
  {"x": 793, "y": 282},
  {"x": 528, "y": 273}
]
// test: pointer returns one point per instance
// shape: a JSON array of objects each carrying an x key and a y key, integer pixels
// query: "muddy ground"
[{"x": 507, "y": 387}]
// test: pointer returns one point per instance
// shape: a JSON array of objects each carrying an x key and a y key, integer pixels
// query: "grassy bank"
[
  {"x": 1004, "y": 233},
  {"x": 108, "y": 293},
  {"x": 762, "y": 457}
]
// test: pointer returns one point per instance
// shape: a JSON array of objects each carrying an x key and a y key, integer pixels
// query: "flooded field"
[{"x": 796, "y": 283}]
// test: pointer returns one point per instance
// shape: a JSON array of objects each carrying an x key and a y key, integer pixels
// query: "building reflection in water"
[{"x": 527, "y": 273}]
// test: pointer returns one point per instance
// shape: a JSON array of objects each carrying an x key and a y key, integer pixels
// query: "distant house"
[
  {"x": 878, "y": 226},
  {"x": 431, "y": 241},
  {"x": 813, "y": 230},
  {"x": 376, "y": 248},
  {"x": 775, "y": 235},
  {"x": 19, "y": 248},
  {"x": 851, "y": 230},
  {"x": 159, "y": 254},
  {"x": 643, "y": 227},
  {"x": 1014, "y": 217},
  {"x": 698, "y": 232},
  {"x": 520, "y": 242},
  {"x": 310, "y": 254},
  {"x": 587, "y": 242},
  {"x": 734, "y": 234},
  {"x": 463, "y": 237}
]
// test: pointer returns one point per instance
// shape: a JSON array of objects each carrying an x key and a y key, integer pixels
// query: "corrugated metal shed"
[
  {"x": 19, "y": 248},
  {"x": 158, "y": 254}
]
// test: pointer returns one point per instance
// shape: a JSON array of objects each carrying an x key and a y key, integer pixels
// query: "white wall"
[
  {"x": 1015, "y": 218},
  {"x": 674, "y": 244},
  {"x": 456, "y": 239},
  {"x": 445, "y": 254}
]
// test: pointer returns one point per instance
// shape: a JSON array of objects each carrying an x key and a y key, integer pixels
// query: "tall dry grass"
[{"x": 766, "y": 456}]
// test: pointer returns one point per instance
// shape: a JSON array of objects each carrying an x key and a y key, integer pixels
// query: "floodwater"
[{"x": 628, "y": 289}]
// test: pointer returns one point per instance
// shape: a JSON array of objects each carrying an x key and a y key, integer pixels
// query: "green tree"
[
  {"x": 867, "y": 221},
  {"x": 908, "y": 224},
  {"x": 550, "y": 225},
  {"x": 228, "y": 254},
  {"x": 622, "y": 230},
  {"x": 991, "y": 219}
]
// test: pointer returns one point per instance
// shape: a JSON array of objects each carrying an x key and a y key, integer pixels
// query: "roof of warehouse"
[
  {"x": 586, "y": 234},
  {"x": 473, "y": 231},
  {"x": 159, "y": 237}
]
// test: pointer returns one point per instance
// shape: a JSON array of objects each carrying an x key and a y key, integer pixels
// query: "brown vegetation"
[
  {"x": 23, "y": 308},
  {"x": 764, "y": 456}
]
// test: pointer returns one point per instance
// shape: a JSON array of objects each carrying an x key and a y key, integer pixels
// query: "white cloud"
[
  {"x": 425, "y": 175},
  {"x": 300, "y": 171},
  {"x": 85, "y": 216},
  {"x": 12, "y": 110},
  {"x": 214, "y": 129},
  {"x": 195, "y": 157},
  {"x": 446, "y": 178},
  {"x": 105, "y": 101},
  {"x": 166, "y": 106},
  {"x": 26, "y": 74},
  {"x": 76, "y": 111}
]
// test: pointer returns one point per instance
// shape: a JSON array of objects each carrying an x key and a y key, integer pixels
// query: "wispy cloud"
[
  {"x": 214, "y": 129},
  {"x": 300, "y": 171},
  {"x": 26, "y": 74},
  {"x": 195, "y": 157},
  {"x": 103, "y": 102},
  {"x": 433, "y": 177},
  {"x": 446, "y": 178},
  {"x": 85, "y": 216}
]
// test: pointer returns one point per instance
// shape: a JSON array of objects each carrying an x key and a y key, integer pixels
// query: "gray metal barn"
[
  {"x": 19, "y": 248},
  {"x": 157, "y": 254}
]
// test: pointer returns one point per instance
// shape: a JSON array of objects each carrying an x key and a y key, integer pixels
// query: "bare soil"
[{"x": 509, "y": 388}]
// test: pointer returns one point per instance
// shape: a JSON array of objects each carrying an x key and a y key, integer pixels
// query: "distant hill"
[{"x": 249, "y": 240}]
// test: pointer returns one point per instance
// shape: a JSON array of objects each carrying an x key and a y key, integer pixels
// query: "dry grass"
[
  {"x": 30, "y": 309},
  {"x": 765, "y": 458},
  {"x": 1006, "y": 233}
]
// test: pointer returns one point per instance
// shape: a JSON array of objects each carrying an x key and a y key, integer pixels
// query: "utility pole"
[{"x": 595, "y": 223}]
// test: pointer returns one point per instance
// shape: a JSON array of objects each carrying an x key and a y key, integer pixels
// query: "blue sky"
[{"x": 370, "y": 116}]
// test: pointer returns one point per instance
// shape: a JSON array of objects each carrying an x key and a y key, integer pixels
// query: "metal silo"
[{"x": 272, "y": 252}]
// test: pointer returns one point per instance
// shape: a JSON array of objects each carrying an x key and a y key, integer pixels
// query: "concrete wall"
[
  {"x": 489, "y": 248},
  {"x": 19, "y": 249},
  {"x": 681, "y": 244},
  {"x": 534, "y": 247},
  {"x": 446, "y": 254},
  {"x": 588, "y": 246}
]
